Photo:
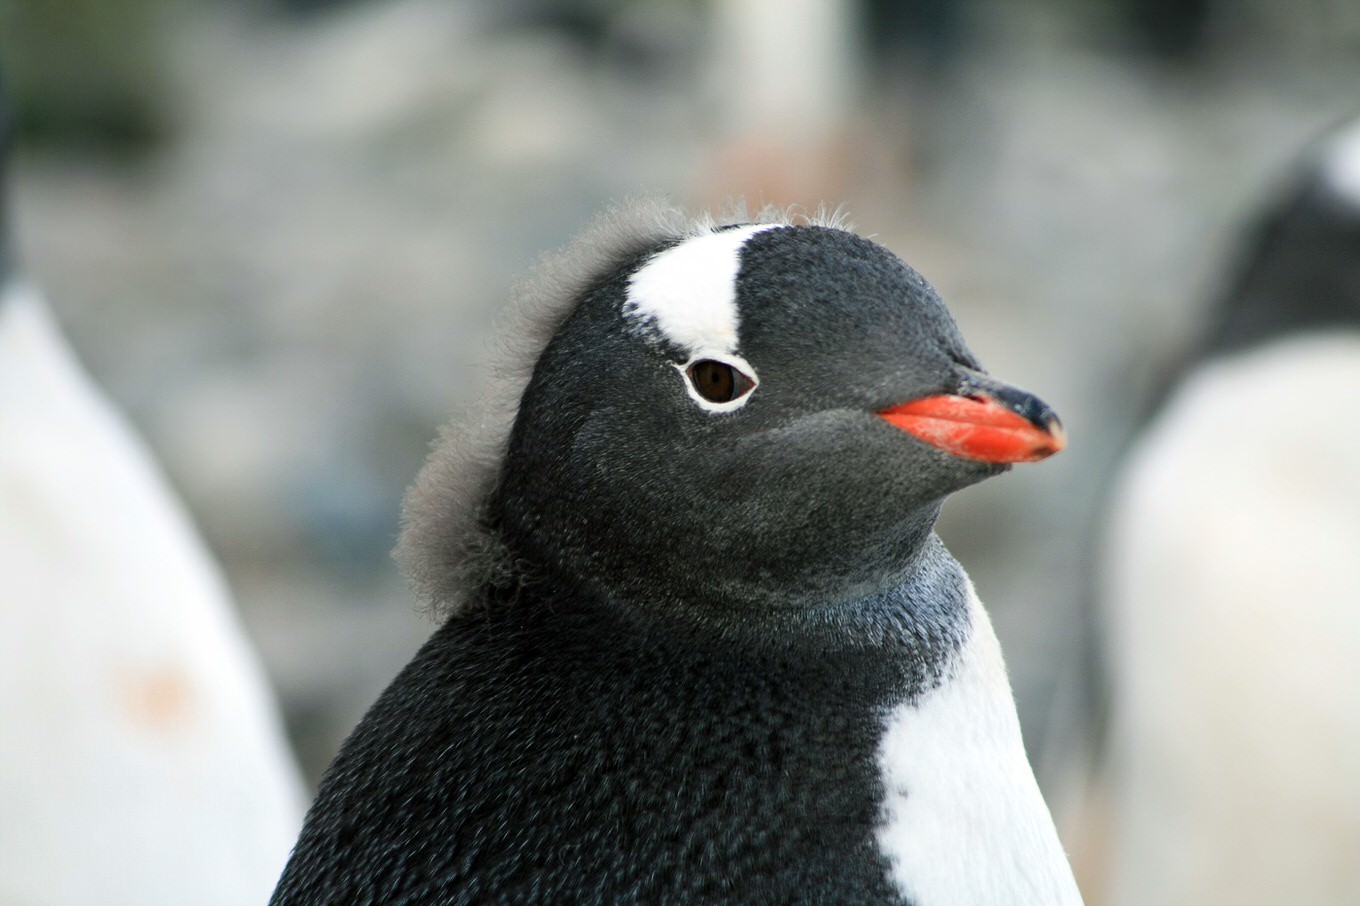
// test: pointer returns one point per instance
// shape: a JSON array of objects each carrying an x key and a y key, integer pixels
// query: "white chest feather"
[{"x": 963, "y": 820}]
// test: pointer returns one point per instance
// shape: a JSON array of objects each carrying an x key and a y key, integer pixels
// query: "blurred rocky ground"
[{"x": 288, "y": 271}]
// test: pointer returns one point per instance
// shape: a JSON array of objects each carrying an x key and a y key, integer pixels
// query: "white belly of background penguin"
[{"x": 702, "y": 643}]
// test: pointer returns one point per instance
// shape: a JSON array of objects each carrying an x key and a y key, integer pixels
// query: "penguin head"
[
  {"x": 759, "y": 417},
  {"x": 1299, "y": 268}
]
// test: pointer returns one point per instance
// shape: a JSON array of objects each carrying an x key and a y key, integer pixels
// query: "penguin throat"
[
  {"x": 738, "y": 576},
  {"x": 916, "y": 595}
]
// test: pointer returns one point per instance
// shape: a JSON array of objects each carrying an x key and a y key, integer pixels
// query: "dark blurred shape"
[
  {"x": 87, "y": 73},
  {"x": 302, "y": 8},
  {"x": 6, "y": 147},
  {"x": 924, "y": 36},
  {"x": 584, "y": 22},
  {"x": 1171, "y": 29},
  {"x": 655, "y": 41}
]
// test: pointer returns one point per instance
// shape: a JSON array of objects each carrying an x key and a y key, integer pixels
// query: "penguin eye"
[{"x": 718, "y": 382}]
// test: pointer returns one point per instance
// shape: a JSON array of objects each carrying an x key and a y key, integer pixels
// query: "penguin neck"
[
  {"x": 764, "y": 571},
  {"x": 920, "y": 607}
]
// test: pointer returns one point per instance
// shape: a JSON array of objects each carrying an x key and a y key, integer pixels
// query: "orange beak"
[{"x": 981, "y": 428}]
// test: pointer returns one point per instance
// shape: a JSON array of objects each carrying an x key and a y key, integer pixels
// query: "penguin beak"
[{"x": 986, "y": 421}]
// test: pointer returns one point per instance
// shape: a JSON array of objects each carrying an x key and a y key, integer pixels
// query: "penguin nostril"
[{"x": 718, "y": 382}]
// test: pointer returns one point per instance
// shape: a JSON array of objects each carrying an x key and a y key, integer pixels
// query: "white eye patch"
[{"x": 688, "y": 293}]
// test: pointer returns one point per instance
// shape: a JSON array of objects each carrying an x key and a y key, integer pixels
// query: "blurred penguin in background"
[
  {"x": 142, "y": 758},
  {"x": 1232, "y": 583}
]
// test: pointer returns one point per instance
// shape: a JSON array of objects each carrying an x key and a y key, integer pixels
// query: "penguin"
[
  {"x": 701, "y": 643},
  {"x": 1230, "y": 586},
  {"x": 143, "y": 758}
]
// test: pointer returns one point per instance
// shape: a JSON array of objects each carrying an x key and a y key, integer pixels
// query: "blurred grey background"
[{"x": 279, "y": 234}]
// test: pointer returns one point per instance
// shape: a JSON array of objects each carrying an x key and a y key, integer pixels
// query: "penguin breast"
[{"x": 963, "y": 819}]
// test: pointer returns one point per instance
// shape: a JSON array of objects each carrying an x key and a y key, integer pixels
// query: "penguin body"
[
  {"x": 1230, "y": 583},
  {"x": 714, "y": 652}
]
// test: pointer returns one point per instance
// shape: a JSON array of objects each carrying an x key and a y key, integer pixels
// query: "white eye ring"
[{"x": 744, "y": 389}]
